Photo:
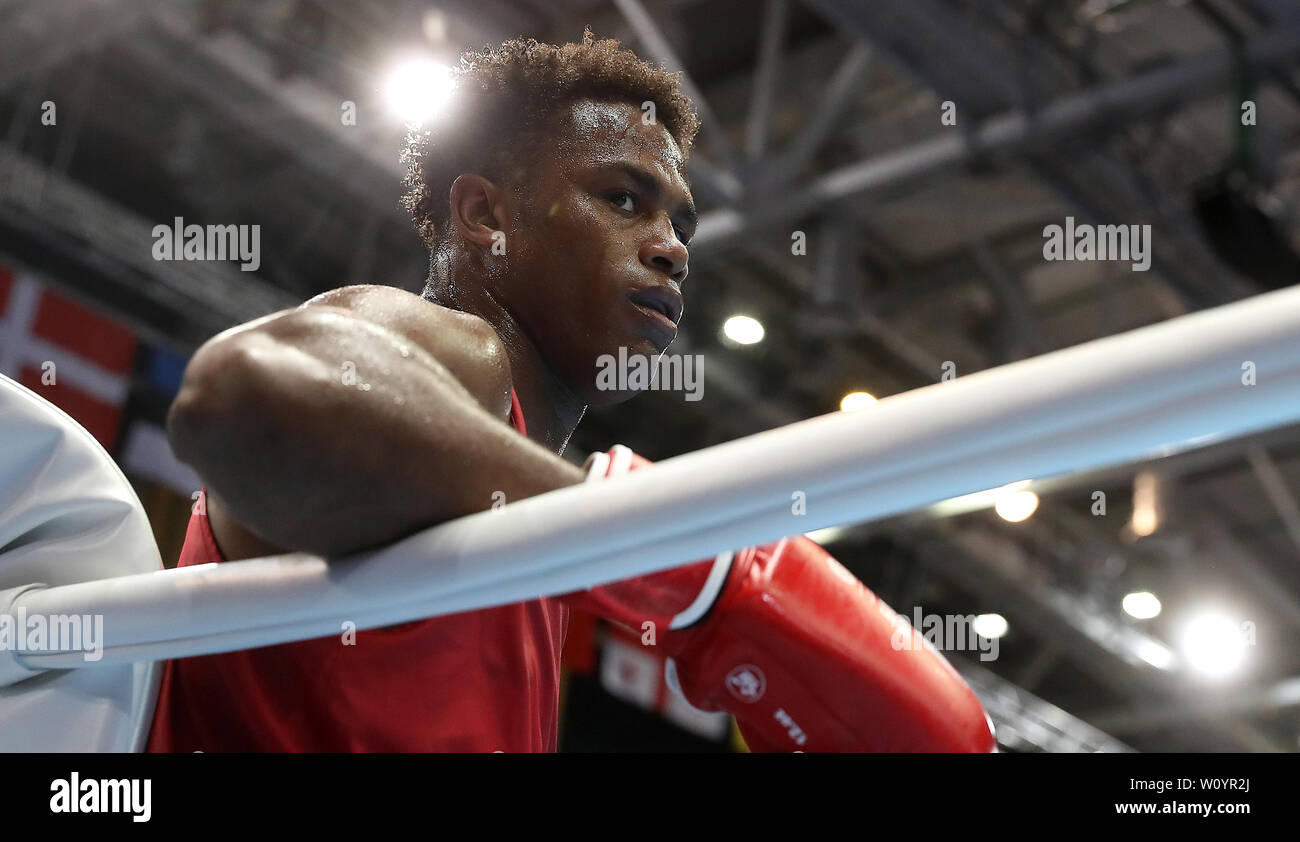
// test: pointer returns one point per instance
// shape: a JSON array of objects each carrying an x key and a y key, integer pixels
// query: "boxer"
[{"x": 556, "y": 209}]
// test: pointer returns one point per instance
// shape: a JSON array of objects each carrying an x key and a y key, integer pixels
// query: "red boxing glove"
[{"x": 789, "y": 642}]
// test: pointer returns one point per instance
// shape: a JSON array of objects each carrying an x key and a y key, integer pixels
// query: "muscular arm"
[{"x": 359, "y": 418}]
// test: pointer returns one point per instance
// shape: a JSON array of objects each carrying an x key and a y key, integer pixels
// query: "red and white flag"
[
  {"x": 634, "y": 672},
  {"x": 67, "y": 353}
]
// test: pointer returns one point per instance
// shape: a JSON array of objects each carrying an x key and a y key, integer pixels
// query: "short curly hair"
[{"x": 510, "y": 94}]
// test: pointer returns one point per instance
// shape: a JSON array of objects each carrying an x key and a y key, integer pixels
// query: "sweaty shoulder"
[{"x": 467, "y": 345}]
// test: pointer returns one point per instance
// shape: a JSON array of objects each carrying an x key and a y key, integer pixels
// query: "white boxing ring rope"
[{"x": 1151, "y": 391}]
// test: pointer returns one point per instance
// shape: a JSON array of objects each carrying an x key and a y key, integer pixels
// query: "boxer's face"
[{"x": 600, "y": 243}]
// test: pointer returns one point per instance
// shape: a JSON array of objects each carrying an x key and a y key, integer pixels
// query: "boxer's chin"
[{"x": 624, "y": 372}]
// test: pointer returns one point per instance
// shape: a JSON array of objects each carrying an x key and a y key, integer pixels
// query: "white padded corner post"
[{"x": 67, "y": 515}]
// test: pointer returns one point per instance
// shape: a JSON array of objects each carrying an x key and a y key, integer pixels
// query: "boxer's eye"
[{"x": 622, "y": 197}]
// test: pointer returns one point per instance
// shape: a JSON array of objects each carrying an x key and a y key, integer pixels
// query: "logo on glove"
[{"x": 747, "y": 683}]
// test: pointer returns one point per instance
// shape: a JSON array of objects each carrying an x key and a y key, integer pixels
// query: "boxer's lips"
[
  {"x": 662, "y": 301},
  {"x": 659, "y": 323},
  {"x": 656, "y": 327}
]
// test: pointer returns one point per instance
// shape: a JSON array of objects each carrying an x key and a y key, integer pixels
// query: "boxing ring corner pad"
[
  {"x": 67, "y": 515},
  {"x": 1173, "y": 385}
]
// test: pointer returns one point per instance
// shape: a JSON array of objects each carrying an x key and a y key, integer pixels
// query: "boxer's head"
[{"x": 554, "y": 191}]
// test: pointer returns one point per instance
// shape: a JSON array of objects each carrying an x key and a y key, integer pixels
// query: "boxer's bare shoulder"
[{"x": 466, "y": 344}]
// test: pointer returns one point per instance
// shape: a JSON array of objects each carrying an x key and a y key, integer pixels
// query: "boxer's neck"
[
  {"x": 545, "y": 400},
  {"x": 551, "y": 410}
]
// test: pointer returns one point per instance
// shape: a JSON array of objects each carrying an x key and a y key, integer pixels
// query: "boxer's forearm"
[{"x": 325, "y": 432}]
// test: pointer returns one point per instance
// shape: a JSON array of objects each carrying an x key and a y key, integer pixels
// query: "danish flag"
[{"x": 67, "y": 353}]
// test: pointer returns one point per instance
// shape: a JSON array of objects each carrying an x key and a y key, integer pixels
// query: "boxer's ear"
[{"x": 476, "y": 210}]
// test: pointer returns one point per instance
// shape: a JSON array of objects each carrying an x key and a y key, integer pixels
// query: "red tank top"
[{"x": 479, "y": 681}]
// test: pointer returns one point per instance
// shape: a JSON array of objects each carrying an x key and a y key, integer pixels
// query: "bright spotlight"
[
  {"x": 743, "y": 330},
  {"x": 1213, "y": 645},
  {"x": 417, "y": 90},
  {"x": 1142, "y": 604},
  {"x": 1015, "y": 506},
  {"x": 856, "y": 400},
  {"x": 991, "y": 626}
]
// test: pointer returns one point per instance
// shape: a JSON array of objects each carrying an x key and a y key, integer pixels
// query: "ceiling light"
[
  {"x": 743, "y": 330},
  {"x": 856, "y": 400},
  {"x": 1142, "y": 604},
  {"x": 1213, "y": 645},
  {"x": 417, "y": 90},
  {"x": 991, "y": 626},
  {"x": 1016, "y": 506}
]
